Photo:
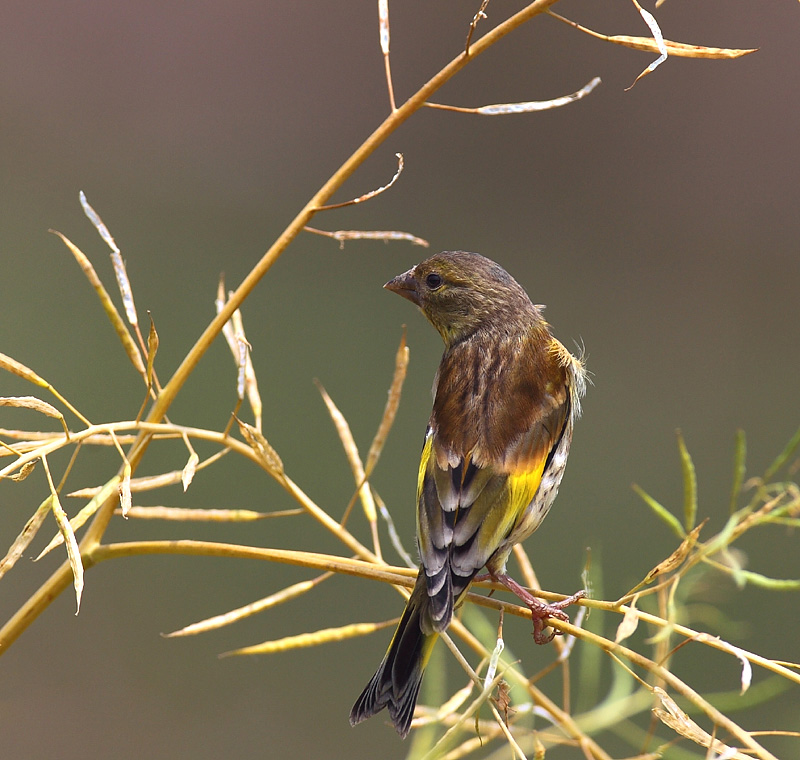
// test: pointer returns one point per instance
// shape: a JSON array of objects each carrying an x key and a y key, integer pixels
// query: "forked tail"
[{"x": 395, "y": 684}]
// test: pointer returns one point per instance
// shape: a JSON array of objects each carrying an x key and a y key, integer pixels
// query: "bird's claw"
[{"x": 541, "y": 611}]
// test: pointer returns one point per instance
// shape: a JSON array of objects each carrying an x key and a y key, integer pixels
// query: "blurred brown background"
[{"x": 660, "y": 226}]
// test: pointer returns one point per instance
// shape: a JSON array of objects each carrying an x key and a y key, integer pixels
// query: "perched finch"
[{"x": 506, "y": 397}]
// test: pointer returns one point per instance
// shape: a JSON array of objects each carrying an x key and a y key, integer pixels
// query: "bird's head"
[{"x": 461, "y": 293}]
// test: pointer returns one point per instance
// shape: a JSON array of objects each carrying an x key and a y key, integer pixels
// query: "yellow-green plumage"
[{"x": 506, "y": 396}]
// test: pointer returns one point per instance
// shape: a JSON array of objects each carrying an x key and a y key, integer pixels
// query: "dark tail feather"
[{"x": 395, "y": 684}]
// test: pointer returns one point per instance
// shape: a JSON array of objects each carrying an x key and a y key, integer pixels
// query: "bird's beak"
[{"x": 405, "y": 285}]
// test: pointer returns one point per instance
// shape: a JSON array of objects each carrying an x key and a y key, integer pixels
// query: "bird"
[{"x": 506, "y": 397}]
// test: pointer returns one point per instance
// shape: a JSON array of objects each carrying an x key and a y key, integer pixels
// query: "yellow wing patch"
[
  {"x": 519, "y": 492},
  {"x": 522, "y": 487},
  {"x": 423, "y": 463}
]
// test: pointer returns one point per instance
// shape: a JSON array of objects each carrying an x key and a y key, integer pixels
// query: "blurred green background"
[{"x": 660, "y": 225}]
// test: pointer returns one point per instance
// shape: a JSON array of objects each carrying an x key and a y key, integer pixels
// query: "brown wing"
[{"x": 488, "y": 442}]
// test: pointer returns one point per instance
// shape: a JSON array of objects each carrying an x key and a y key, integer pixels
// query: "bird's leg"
[{"x": 540, "y": 610}]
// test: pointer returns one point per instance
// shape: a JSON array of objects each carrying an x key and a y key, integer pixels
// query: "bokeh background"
[{"x": 660, "y": 225}]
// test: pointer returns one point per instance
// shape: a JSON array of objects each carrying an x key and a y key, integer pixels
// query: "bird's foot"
[{"x": 540, "y": 611}]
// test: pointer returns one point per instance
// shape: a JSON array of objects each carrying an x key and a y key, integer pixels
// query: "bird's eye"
[{"x": 434, "y": 281}]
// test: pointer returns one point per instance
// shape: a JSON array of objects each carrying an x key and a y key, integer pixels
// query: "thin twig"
[
  {"x": 481, "y": 14},
  {"x": 371, "y": 194},
  {"x": 383, "y": 28},
  {"x": 501, "y": 109},
  {"x": 650, "y": 45},
  {"x": 384, "y": 235}
]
